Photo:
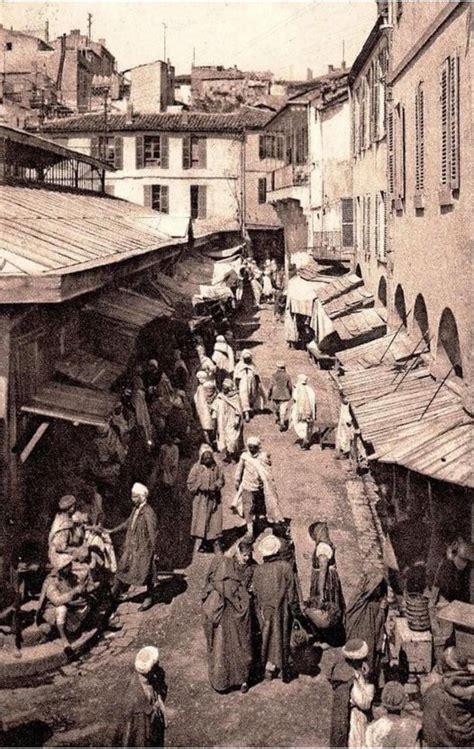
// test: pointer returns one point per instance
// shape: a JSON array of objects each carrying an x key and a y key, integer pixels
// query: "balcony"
[
  {"x": 290, "y": 175},
  {"x": 328, "y": 245}
]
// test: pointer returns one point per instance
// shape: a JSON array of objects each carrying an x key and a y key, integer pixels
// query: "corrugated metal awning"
[{"x": 74, "y": 404}]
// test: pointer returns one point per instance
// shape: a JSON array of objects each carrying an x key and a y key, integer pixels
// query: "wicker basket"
[{"x": 417, "y": 612}]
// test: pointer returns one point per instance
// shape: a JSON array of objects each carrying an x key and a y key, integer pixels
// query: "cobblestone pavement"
[{"x": 80, "y": 705}]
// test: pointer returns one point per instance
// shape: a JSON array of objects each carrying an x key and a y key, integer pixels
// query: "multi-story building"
[
  {"x": 431, "y": 178},
  {"x": 181, "y": 163},
  {"x": 310, "y": 187},
  {"x": 218, "y": 89},
  {"x": 369, "y": 159},
  {"x": 151, "y": 86}
]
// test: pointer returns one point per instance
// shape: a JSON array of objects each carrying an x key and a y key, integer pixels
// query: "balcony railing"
[
  {"x": 291, "y": 175},
  {"x": 327, "y": 245}
]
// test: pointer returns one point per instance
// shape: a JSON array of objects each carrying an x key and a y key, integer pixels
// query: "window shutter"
[
  {"x": 391, "y": 154},
  {"x": 454, "y": 122},
  {"x": 148, "y": 195},
  {"x": 419, "y": 140},
  {"x": 164, "y": 151},
  {"x": 118, "y": 152},
  {"x": 202, "y": 153},
  {"x": 376, "y": 86},
  {"x": 139, "y": 152},
  {"x": 444, "y": 122},
  {"x": 385, "y": 225},
  {"x": 165, "y": 199},
  {"x": 401, "y": 186},
  {"x": 202, "y": 201},
  {"x": 186, "y": 152},
  {"x": 369, "y": 232},
  {"x": 95, "y": 150},
  {"x": 261, "y": 147},
  {"x": 376, "y": 224},
  {"x": 280, "y": 146},
  {"x": 347, "y": 211}
]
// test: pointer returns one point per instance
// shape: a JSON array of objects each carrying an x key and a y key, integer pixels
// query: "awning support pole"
[
  {"x": 402, "y": 325},
  {"x": 412, "y": 364},
  {"x": 437, "y": 391}
]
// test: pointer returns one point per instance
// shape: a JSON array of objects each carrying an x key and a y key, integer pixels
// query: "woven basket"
[{"x": 417, "y": 612}]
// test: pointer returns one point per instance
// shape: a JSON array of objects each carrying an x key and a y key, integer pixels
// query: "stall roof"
[
  {"x": 412, "y": 422},
  {"x": 395, "y": 348},
  {"x": 89, "y": 370},
  {"x": 363, "y": 322},
  {"x": 46, "y": 235},
  {"x": 69, "y": 403},
  {"x": 129, "y": 307},
  {"x": 340, "y": 285},
  {"x": 349, "y": 301}
]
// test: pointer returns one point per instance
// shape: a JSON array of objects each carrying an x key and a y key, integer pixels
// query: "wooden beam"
[{"x": 34, "y": 441}]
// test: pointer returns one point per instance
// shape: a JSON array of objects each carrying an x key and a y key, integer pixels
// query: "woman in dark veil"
[{"x": 366, "y": 614}]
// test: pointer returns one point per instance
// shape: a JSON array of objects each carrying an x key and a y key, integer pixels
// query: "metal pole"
[
  {"x": 437, "y": 391},
  {"x": 164, "y": 41},
  {"x": 412, "y": 354},
  {"x": 402, "y": 325}
]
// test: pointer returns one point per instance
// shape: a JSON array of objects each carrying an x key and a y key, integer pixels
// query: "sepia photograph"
[{"x": 236, "y": 373}]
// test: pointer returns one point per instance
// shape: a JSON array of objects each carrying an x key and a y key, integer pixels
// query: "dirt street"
[{"x": 80, "y": 706}]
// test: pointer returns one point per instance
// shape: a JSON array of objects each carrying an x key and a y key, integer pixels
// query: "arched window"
[
  {"x": 382, "y": 291},
  {"x": 400, "y": 307},
  {"x": 420, "y": 320},
  {"x": 358, "y": 270},
  {"x": 448, "y": 351}
]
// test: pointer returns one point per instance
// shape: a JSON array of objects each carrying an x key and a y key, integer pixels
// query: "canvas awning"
[
  {"x": 301, "y": 295},
  {"x": 412, "y": 422},
  {"x": 74, "y": 404},
  {"x": 89, "y": 370}
]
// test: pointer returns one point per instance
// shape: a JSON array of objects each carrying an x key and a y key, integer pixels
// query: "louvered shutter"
[
  {"x": 369, "y": 228},
  {"x": 376, "y": 225},
  {"x": 148, "y": 196},
  {"x": 202, "y": 153},
  {"x": 391, "y": 154},
  {"x": 139, "y": 152},
  {"x": 95, "y": 147},
  {"x": 118, "y": 152},
  {"x": 401, "y": 187},
  {"x": 362, "y": 118},
  {"x": 376, "y": 85},
  {"x": 347, "y": 212},
  {"x": 371, "y": 86},
  {"x": 202, "y": 201},
  {"x": 164, "y": 199},
  {"x": 164, "y": 151},
  {"x": 419, "y": 140},
  {"x": 444, "y": 78},
  {"x": 186, "y": 152},
  {"x": 454, "y": 122}
]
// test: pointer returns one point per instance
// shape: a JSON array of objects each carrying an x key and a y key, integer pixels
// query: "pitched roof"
[
  {"x": 48, "y": 233},
  {"x": 177, "y": 122}
]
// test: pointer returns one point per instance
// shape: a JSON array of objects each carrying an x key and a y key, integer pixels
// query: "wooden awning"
[
  {"x": 89, "y": 370},
  {"x": 129, "y": 307},
  {"x": 74, "y": 404}
]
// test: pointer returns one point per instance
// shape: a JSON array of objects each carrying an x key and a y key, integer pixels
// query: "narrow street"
[{"x": 312, "y": 486}]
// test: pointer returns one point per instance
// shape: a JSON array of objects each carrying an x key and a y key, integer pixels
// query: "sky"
[{"x": 286, "y": 38}]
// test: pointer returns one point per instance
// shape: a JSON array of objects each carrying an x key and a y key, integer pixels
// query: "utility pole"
[
  {"x": 89, "y": 27},
  {"x": 164, "y": 41}
]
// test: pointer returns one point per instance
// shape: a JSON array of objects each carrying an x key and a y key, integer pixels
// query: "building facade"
[
  {"x": 184, "y": 163},
  {"x": 151, "y": 87},
  {"x": 431, "y": 180},
  {"x": 369, "y": 160}
]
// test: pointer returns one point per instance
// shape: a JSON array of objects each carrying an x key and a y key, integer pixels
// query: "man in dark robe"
[
  {"x": 205, "y": 482},
  {"x": 226, "y": 609},
  {"x": 448, "y": 707},
  {"x": 276, "y": 600},
  {"x": 143, "y": 717},
  {"x": 366, "y": 614},
  {"x": 137, "y": 563}
]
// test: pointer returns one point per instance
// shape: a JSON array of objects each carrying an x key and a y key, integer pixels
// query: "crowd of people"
[{"x": 256, "y": 622}]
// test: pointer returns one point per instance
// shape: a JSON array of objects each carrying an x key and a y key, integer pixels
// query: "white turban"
[
  {"x": 146, "y": 659},
  {"x": 269, "y": 545},
  {"x": 253, "y": 441},
  {"x": 140, "y": 489}
]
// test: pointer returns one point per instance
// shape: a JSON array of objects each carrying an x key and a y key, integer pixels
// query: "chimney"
[
  {"x": 102, "y": 42},
  {"x": 46, "y": 31},
  {"x": 330, "y": 68},
  {"x": 343, "y": 64},
  {"x": 129, "y": 114},
  {"x": 309, "y": 74}
]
